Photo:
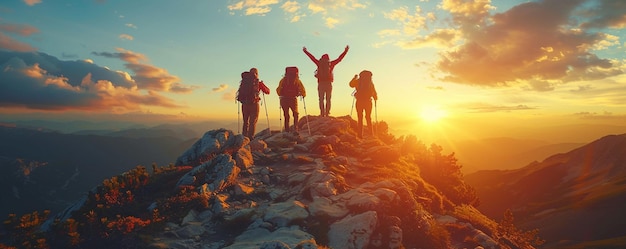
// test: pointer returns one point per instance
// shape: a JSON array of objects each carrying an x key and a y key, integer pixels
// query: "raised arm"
[
  {"x": 310, "y": 55},
  {"x": 345, "y": 51}
]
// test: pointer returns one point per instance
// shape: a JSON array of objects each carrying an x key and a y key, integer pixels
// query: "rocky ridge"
[{"x": 326, "y": 189}]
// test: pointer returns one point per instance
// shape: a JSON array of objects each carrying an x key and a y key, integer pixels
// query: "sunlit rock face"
[{"x": 323, "y": 189}]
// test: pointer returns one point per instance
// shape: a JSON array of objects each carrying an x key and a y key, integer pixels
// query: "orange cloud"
[
  {"x": 126, "y": 37},
  {"x": 221, "y": 88},
  {"x": 147, "y": 76},
  {"x": 8, "y": 43},
  {"x": 42, "y": 82},
  {"x": 31, "y": 2},
  {"x": 536, "y": 41},
  {"x": 482, "y": 107}
]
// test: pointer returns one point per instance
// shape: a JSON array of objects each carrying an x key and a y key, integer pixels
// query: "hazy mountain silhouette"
[
  {"x": 183, "y": 130},
  {"x": 505, "y": 153},
  {"x": 573, "y": 197},
  {"x": 46, "y": 169}
]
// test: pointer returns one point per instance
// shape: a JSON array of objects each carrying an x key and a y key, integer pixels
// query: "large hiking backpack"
[
  {"x": 248, "y": 92},
  {"x": 365, "y": 88},
  {"x": 323, "y": 72},
  {"x": 290, "y": 88}
]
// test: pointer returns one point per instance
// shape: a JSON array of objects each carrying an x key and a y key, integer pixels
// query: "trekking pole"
[
  {"x": 375, "y": 115},
  {"x": 280, "y": 116},
  {"x": 269, "y": 132},
  {"x": 238, "y": 116},
  {"x": 353, "y": 98},
  {"x": 306, "y": 116}
]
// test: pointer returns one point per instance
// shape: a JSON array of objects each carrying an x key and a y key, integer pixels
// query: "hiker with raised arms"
[
  {"x": 365, "y": 92},
  {"x": 324, "y": 75},
  {"x": 289, "y": 88},
  {"x": 248, "y": 94}
]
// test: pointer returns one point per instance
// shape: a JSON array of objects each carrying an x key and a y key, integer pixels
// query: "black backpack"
[
  {"x": 248, "y": 92},
  {"x": 290, "y": 88}
]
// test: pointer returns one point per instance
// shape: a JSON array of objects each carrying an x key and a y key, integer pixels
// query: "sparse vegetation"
[
  {"x": 523, "y": 239},
  {"x": 114, "y": 215}
]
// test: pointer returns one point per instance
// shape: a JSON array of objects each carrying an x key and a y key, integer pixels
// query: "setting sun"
[{"x": 432, "y": 114}]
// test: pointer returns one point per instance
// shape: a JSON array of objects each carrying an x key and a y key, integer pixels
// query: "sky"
[{"x": 448, "y": 69}]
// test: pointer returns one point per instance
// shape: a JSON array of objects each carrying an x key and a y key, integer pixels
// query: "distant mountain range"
[
  {"x": 45, "y": 169},
  {"x": 505, "y": 152},
  {"x": 576, "y": 198}
]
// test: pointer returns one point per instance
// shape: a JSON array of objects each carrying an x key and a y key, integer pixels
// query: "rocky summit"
[{"x": 323, "y": 189}]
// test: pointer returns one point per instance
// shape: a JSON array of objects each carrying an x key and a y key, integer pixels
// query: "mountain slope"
[
  {"x": 327, "y": 189},
  {"x": 573, "y": 197},
  {"x": 504, "y": 153},
  {"x": 45, "y": 169}
]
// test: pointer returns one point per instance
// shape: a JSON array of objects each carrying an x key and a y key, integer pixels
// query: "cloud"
[
  {"x": 468, "y": 14},
  {"x": 482, "y": 108},
  {"x": 11, "y": 44},
  {"x": 221, "y": 88},
  {"x": 596, "y": 116},
  {"x": 39, "y": 81},
  {"x": 292, "y": 8},
  {"x": 437, "y": 88},
  {"x": 126, "y": 37},
  {"x": 606, "y": 14},
  {"x": 8, "y": 43},
  {"x": 331, "y": 22},
  {"x": 295, "y": 10},
  {"x": 230, "y": 95},
  {"x": 537, "y": 41},
  {"x": 583, "y": 88},
  {"x": 439, "y": 38},
  {"x": 411, "y": 24},
  {"x": 324, "y": 6},
  {"x": 148, "y": 76},
  {"x": 130, "y": 25},
  {"x": 31, "y": 2},
  {"x": 253, "y": 7}
]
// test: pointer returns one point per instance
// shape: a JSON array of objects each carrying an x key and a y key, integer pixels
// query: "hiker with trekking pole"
[
  {"x": 289, "y": 88},
  {"x": 248, "y": 93},
  {"x": 365, "y": 92}
]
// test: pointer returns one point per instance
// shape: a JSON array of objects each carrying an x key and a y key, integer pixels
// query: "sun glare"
[{"x": 432, "y": 114}]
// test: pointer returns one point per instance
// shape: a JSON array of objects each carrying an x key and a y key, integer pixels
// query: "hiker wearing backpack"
[
  {"x": 324, "y": 75},
  {"x": 248, "y": 94},
  {"x": 289, "y": 88},
  {"x": 365, "y": 91}
]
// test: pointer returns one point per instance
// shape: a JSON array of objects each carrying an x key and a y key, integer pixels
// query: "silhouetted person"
[
  {"x": 365, "y": 91},
  {"x": 248, "y": 94},
  {"x": 289, "y": 88},
  {"x": 324, "y": 75}
]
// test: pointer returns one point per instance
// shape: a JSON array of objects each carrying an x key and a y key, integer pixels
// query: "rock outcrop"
[{"x": 286, "y": 190}]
